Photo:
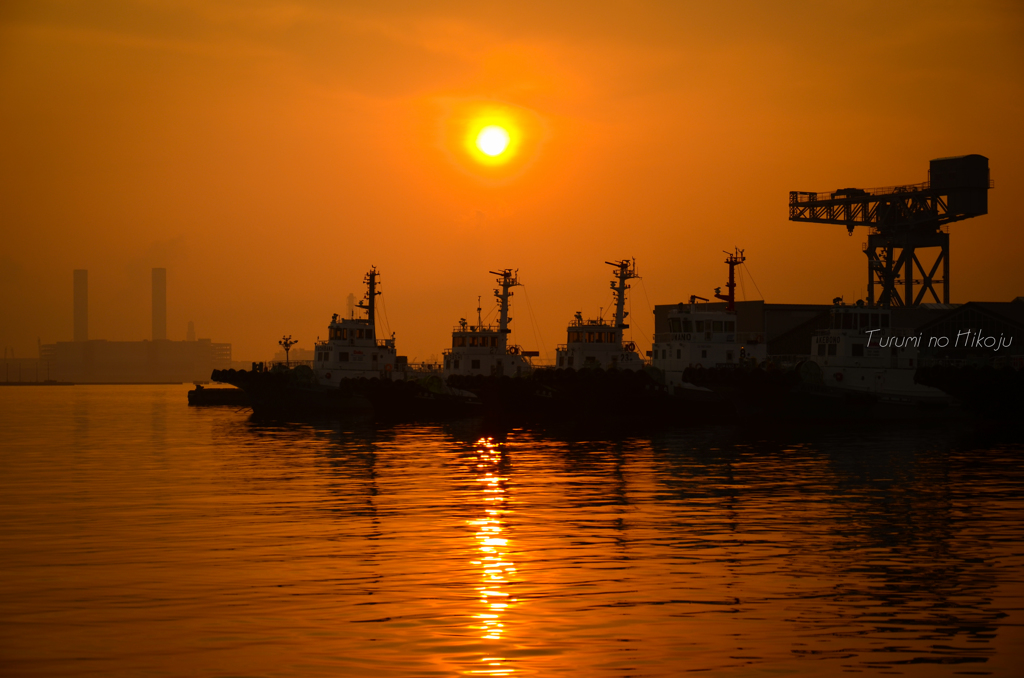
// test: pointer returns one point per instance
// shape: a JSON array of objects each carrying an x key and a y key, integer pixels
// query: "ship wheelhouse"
[
  {"x": 597, "y": 343},
  {"x": 704, "y": 338}
]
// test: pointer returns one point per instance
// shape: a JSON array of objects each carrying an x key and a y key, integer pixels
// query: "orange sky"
[{"x": 267, "y": 153}]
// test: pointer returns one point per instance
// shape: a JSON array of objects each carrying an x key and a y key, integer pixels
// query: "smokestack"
[
  {"x": 81, "y": 305},
  {"x": 159, "y": 304}
]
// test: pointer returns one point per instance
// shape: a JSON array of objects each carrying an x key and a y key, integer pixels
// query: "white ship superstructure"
[
  {"x": 700, "y": 337},
  {"x": 352, "y": 349},
  {"x": 598, "y": 343},
  {"x": 861, "y": 352},
  {"x": 484, "y": 349}
]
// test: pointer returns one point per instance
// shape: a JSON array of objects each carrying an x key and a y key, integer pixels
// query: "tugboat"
[
  {"x": 352, "y": 350},
  {"x": 597, "y": 343},
  {"x": 483, "y": 350},
  {"x": 699, "y": 338},
  {"x": 860, "y": 352},
  {"x": 353, "y": 374}
]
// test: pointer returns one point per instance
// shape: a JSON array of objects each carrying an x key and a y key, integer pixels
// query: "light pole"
[{"x": 287, "y": 342}]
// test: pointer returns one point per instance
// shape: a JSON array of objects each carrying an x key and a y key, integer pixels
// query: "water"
[{"x": 141, "y": 537}]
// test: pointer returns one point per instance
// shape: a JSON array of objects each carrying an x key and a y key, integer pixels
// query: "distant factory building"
[
  {"x": 81, "y": 311},
  {"x": 159, "y": 304},
  {"x": 159, "y": 360}
]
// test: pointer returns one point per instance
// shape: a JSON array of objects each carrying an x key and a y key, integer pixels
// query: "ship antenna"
[
  {"x": 508, "y": 279},
  {"x": 371, "y": 294},
  {"x": 623, "y": 272},
  {"x": 479, "y": 320}
]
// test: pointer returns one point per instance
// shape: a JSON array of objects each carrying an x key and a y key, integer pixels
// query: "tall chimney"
[
  {"x": 159, "y": 304},
  {"x": 81, "y": 305}
]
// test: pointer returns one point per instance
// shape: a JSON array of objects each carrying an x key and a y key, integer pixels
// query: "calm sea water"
[{"x": 141, "y": 537}]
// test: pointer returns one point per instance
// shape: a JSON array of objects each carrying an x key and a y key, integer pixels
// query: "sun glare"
[{"x": 492, "y": 140}]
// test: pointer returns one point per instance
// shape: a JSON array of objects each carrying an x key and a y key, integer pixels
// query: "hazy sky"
[{"x": 267, "y": 153}]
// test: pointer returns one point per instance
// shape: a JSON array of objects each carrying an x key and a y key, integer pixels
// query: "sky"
[{"x": 268, "y": 153}]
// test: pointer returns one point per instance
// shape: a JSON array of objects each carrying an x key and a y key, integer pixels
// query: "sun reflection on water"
[{"x": 496, "y": 568}]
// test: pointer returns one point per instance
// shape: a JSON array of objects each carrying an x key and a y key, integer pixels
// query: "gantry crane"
[{"x": 903, "y": 219}]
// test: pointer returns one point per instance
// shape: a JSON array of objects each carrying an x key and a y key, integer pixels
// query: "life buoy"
[
  {"x": 838, "y": 376},
  {"x": 630, "y": 347},
  {"x": 513, "y": 350}
]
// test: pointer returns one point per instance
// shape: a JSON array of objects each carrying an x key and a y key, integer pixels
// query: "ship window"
[
  {"x": 679, "y": 354},
  {"x": 343, "y": 356},
  {"x": 475, "y": 364},
  {"x": 494, "y": 341},
  {"x": 716, "y": 326},
  {"x": 730, "y": 326},
  {"x": 728, "y": 356},
  {"x": 857, "y": 350},
  {"x": 848, "y": 319},
  {"x": 359, "y": 334},
  {"x": 456, "y": 364},
  {"x": 673, "y": 325},
  {"x": 700, "y": 325},
  {"x": 704, "y": 354},
  {"x": 472, "y": 341},
  {"x": 570, "y": 361},
  {"x": 663, "y": 353},
  {"x": 831, "y": 349},
  {"x": 600, "y": 337},
  {"x": 864, "y": 319},
  {"x": 687, "y": 326},
  {"x": 590, "y": 337},
  {"x": 344, "y": 333},
  {"x": 369, "y": 333},
  {"x": 561, "y": 361},
  {"x": 885, "y": 320},
  {"x": 821, "y": 349},
  {"x": 460, "y": 341},
  {"x": 874, "y": 320}
]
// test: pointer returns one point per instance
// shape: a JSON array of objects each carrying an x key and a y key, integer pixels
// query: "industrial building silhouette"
[{"x": 156, "y": 360}]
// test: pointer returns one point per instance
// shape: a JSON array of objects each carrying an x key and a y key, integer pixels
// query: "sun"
[{"x": 492, "y": 140}]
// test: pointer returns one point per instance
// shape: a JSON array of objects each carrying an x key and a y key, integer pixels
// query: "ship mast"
[
  {"x": 624, "y": 271},
  {"x": 508, "y": 280},
  {"x": 368, "y": 302},
  {"x": 734, "y": 260}
]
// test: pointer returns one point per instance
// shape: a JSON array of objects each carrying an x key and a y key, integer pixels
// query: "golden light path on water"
[{"x": 494, "y": 563}]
